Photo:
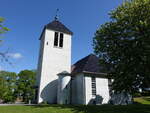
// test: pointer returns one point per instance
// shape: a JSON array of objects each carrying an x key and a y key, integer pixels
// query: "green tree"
[
  {"x": 26, "y": 83},
  {"x": 2, "y": 28},
  {"x": 3, "y": 89},
  {"x": 123, "y": 45},
  {"x": 2, "y": 31},
  {"x": 8, "y": 86}
]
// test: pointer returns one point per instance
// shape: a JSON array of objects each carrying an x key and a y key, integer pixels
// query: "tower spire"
[{"x": 56, "y": 16}]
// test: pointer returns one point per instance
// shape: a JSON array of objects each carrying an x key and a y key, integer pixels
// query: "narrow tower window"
[
  {"x": 56, "y": 39},
  {"x": 61, "y": 40}
]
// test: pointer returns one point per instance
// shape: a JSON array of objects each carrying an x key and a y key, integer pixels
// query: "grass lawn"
[
  {"x": 142, "y": 107},
  {"x": 143, "y": 100}
]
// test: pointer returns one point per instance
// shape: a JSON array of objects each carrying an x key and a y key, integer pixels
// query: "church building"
[{"x": 57, "y": 81}]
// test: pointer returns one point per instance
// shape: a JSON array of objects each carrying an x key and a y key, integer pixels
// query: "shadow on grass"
[{"x": 134, "y": 108}]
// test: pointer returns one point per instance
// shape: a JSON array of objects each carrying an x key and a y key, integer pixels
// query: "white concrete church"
[{"x": 60, "y": 83}]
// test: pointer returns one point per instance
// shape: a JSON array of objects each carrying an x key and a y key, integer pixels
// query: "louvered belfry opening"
[{"x": 93, "y": 81}]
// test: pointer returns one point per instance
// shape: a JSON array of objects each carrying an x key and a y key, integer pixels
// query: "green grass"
[
  {"x": 142, "y": 100},
  {"x": 136, "y": 108},
  {"x": 143, "y": 106}
]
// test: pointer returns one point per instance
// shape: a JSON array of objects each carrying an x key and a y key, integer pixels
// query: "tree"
[
  {"x": 2, "y": 89},
  {"x": 2, "y": 31},
  {"x": 7, "y": 86},
  {"x": 26, "y": 83},
  {"x": 123, "y": 45},
  {"x": 2, "y": 28}
]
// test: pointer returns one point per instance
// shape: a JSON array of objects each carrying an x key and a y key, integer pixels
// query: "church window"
[
  {"x": 61, "y": 40},
  {"x": 56, "y": 39},
  {"x": 93, "y": 83}
]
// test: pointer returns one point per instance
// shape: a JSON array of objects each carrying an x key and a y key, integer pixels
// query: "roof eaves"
[
  {"x": 42, "y": 32},
  {"x": 95, "y": 73},
  {"x": 100, "y": 75},
  {"x": 58, "y": 26}
]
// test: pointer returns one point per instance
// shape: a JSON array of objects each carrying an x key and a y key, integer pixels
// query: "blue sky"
[{"x": 26, "y": 19}]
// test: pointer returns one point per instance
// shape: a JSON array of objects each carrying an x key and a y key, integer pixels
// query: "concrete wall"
[
  {"x": 40, "y": 58},
  {"x": 73, "y": 90},
  {"x": 88, "y": 89},
  {"x": 102, "y": 90},
  {"x": 54, "y": 60},
  {"x": 63, "y": 94},
  {"x": 77, "y": 93}
]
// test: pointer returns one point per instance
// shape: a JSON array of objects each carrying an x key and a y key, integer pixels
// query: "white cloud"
[{"x": 15, "y": 55}]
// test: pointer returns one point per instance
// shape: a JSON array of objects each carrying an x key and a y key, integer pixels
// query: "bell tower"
[{"x": 54, "y": 58}]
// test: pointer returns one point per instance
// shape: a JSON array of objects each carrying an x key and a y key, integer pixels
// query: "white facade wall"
[
  {"x": 63, "y": 94},
  {"x": 53, "y": 61},
  {"x": 88, "y": 90},
  {"x": 73, "y": 90},
  {"x": 78, "y": 90},
  {"x": 39, "y": 67},
  {"x": 102, "y": 90}
]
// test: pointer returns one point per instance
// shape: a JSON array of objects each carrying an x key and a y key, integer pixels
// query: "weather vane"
[{"x": 56, "y": 16}]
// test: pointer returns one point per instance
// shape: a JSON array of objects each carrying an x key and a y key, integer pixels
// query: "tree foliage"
[
  {"x": 123, "y": 45},
  {"x": 8, "y": 86},
  {"x": 26, "y": 82},
  {"x": 13, "y": 86},
  {"x": 2, "y": 28},
  {"x": 2, "y": 31}
]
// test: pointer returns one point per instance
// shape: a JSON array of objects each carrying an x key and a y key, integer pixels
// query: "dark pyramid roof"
[
  {"x": 89, "y": 63},
  {"x": 58, "y": 26}
]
